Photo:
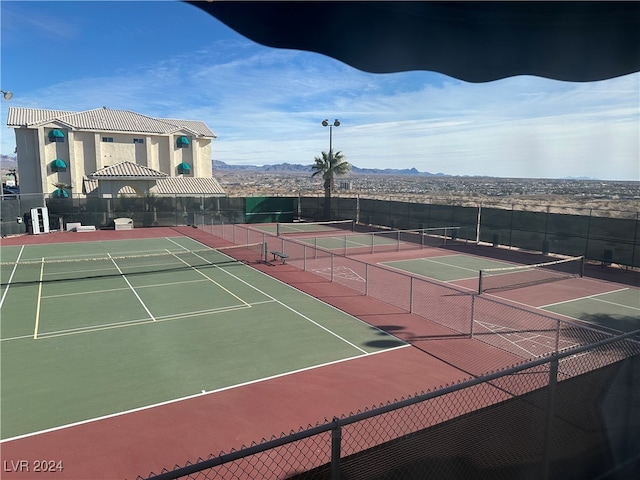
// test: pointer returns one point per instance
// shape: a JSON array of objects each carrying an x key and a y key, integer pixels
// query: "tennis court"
[
  {"x": 562, "y": 292},
  {"x": 93, "y": 329},
  {"x": 348, "y": 238}
]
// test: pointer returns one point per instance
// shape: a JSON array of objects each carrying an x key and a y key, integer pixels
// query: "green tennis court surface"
[
  {"x": 151, "y": 330},
  {"x": 618, "y": 309},
  {"x": 447, "y": 268}
]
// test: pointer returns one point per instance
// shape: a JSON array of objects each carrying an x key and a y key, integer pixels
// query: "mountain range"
[
  {"x": 296, "y": 168},
  {"x": 9, "y": 161}
]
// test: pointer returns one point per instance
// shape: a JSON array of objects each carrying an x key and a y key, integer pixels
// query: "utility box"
[{"x": 38, "y": 221}]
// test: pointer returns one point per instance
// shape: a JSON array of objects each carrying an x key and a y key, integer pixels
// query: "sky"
[{"x": 169, "y": 59}]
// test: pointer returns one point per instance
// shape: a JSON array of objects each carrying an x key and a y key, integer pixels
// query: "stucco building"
[{"x": 106, "y": 153}]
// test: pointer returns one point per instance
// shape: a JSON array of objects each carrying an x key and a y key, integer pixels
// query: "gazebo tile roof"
[{"x": 127, "y": 169}]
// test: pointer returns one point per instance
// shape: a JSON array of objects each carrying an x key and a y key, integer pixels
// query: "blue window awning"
[
  {"x": 184, "y": 168},
  {"x": 56, "y": 134},
  {"x": 183, "y": 141},
  {"x": 58, "y": 163},
  {"x": 60, "y": 193}
]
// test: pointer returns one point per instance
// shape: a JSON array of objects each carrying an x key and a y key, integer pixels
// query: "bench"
[
  {"x": 280, "y": 255},
  {"x": 123, "y": 224}
]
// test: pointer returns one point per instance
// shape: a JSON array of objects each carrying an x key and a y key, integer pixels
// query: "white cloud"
[{"x": 266, "y": 106}]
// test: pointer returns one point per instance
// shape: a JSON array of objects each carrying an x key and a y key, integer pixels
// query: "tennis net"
[
  {"x": 302, "y": 228},
  {"x": 425, "y": 237},
  {"x": 65, "y": 269},
  {"x": 507, "y": 278}
]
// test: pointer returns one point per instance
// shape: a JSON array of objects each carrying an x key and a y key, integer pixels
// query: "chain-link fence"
[
  {"x": 570, "y": 415},
  {"x": 598, "y": 235},
  {"x": 463, "y": 311},
  {"x": 601, "y": 235},
  {"x": 570, "y": 410},
  {"x": 13, "y": 211}
]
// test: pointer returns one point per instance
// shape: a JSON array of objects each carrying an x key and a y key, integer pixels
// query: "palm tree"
[{"x": 329, "y": 165}]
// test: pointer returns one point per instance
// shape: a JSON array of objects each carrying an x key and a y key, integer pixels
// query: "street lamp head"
[
  {"x": 336, "y": 123},
  {"x": 6, "y": 95},
  {"x": 325, "y": 122}
]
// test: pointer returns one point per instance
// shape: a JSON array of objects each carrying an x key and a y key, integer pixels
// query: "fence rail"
[
  {"x": 457, "y": 431},
  {"x": 598, "y": 235},
  {"x": 555, "y": 398}
]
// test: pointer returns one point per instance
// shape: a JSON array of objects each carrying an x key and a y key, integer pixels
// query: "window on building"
[
  {"x": 56, "y": 135},
  {"x": 107, "y": 139},
  {"x": 138, "y": 140},
  {"x": 182, "y": 142}
]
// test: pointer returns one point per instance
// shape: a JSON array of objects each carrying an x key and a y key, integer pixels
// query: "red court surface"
[{"x": 137, "y": 443}]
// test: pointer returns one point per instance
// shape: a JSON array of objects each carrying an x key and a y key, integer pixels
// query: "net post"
[
  {"x": 265, "y": 256},
  {"x": 277, "y": 229},
  {"x": 582, "y": 265}
]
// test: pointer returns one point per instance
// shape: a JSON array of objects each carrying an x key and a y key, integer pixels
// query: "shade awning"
[
  {"x": 184, "y": 167},
  {"x": 56, "y": 133},
  {"x": 58, "y": 163},
  {"x": 60, "y": 193},
  {"x": 183, "y": 141}
]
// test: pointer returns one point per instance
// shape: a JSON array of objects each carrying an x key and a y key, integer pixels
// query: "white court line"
[
  {"x": 133, "y": 323},
  {"x": 583, "y": 298},
  {"x": 39, "y": 301},
  {"x": 448, "y": 264},
  {"x": 132, "y": 289},
  {"x": 300, "y": 314},
  {"x": 15, "y": 266},
  {"x": 211, "y": 279},
  {"x": 200, "y": 394}
]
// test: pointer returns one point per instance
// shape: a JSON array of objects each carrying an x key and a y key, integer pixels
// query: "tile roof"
[
  {"x": 175, "y": 186},
  {"x": 126, "y": 170},
  {"x": 187, "y": 186},
  {"x": 105, "y": 119}
]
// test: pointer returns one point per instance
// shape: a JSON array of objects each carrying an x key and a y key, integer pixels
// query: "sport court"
[
  {"x": 163, "y": 431},
  {"x": 124, "y": 325},
  {"x": 602, "y": 303}
]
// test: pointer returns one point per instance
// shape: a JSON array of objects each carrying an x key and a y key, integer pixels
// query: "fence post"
[
  {"x": 366, "y": 279},
  {"x": 332, "y": 256},
  {"x": 546, "y": 449},
  {"x": 410, "y": 294},
  {"x": 336, "y": 440},
  {"x": 473, "y": 307},
  {"x": 478, "y": 224}
]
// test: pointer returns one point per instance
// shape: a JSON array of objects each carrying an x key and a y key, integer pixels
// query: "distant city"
[
  {"x": 287, "y": 179},
  {"x": 297, "y": 178}
]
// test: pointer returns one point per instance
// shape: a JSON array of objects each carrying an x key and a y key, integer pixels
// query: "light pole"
[
  {"x": 6, "y": 95},
  {"x": 325, "y": 123}
]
